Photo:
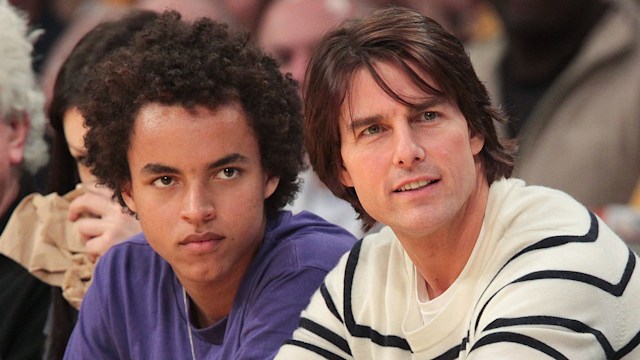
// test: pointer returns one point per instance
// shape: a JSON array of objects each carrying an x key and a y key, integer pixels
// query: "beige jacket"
[{"x": 584, "y": 135}]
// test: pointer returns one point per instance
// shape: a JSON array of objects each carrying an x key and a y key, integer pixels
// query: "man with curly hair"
[{"x": 200, "y": 136}]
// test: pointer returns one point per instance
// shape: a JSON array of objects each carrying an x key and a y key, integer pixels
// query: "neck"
[
  {"x": 442, "y": 256},
  {"x": 537, "y": 57},
  {"x": 212, "y": 300},
  {"x": 208, "y": 306}
]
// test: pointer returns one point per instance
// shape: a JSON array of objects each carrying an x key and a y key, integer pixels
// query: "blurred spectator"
[
  {"x": 93, "y": 12},
  {"x": 49, "y": 16},
  {"x": 469, "y": 20},
  {"x": 245, "y": 12},
  {"x": 24, "y": 300},
  {"x": 288, "y": 30},
  {"x": 571, "y": 86}
]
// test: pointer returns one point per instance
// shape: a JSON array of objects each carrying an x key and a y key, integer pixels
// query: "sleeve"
[
  {"x": 321, "y": 332},
  {"x": 570, "y": 309},
  {"x": 92, "y": 337}
]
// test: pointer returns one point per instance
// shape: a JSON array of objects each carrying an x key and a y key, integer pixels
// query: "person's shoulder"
[
  {"x": 307, "y": 239},
  {"x": 134, "y": 251},
  {"x": 536, "y": 222},
  {"x": 309, "y": 230},
  {"x": 136, "y": 243},
  {"x": 130, "y": 267},
  {"x": 533, "y": 203}
]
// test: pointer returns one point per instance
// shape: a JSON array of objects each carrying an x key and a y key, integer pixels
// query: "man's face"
[
  {"x": 290, "y": 29},
  {"x": 13, "y": 135},
  {"x": 198, "y": 187},
  {"x": 413, "y": 170}
]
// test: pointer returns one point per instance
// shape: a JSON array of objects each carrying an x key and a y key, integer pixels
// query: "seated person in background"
[
  {"x": 473, "y": 264},
  {"x": 200, "y": 136},
  {"x": 288, "y": 30},
  {"x": 24, "y": 300},
  {"x": 571, "y": 87},
  {"x": 100, "y": 220}
]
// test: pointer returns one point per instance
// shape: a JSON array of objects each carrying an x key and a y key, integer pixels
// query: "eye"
[
  {"x": 428, "y": 116},
  {"x": 163, "y": 181},
  {"x": 228, "y": 173},
  {"x": 372, "y": 130}
]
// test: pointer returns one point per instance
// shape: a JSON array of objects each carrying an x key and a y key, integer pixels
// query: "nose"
[
  {"x": 198, "y": 205},
  {"x": 407, "y": 147}
]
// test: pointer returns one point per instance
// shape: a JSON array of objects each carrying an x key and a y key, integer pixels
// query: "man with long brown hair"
[{"x": 472, "y": 263}]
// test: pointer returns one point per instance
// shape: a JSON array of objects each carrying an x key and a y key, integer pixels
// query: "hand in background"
[{"x": 100, "y": 220}]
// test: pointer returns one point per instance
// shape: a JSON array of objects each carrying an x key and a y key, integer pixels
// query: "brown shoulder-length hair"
[{"x": 416, "y": 45}]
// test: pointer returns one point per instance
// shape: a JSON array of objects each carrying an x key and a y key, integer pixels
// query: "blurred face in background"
[
  {"x": 290, "y": 29},
  {"x": 74, "y": 132},
  {"x": 538, "y": 17},
  {"x": 13, "y": 135}
]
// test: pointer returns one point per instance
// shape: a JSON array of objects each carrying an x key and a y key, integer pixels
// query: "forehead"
[
  {"x": 188, "y": 132},
  {"x": 393, "y": 84}
]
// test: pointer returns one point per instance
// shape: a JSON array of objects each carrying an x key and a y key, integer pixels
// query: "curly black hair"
[{"x": 201, "y": 63}]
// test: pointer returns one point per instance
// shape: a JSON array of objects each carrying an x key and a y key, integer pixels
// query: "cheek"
[
  {"x": 86, "y": 177},
  {"x": 157, "y": 221}
]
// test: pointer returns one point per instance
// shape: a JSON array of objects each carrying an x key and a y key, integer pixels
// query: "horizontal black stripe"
[
  {"x": 632, "y": 345},
  {"x": 589, "y": 237},
  {"x": 326, "y": 334},
  {"x": 450, "y": 354},
  {"x": 527, "y": 341},
  {"x": 614, "y": 289},
  {"x": 322, "y": 352},
  {"x": 570, "y": 324}
]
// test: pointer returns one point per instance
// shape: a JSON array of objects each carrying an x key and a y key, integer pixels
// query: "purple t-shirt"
[{"x": 134, "y": 308}]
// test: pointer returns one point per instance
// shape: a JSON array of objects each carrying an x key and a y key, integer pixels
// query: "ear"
[
  {"x": 345, "y": 177},
  {"x": 270, "y": 185},
  {"x": 476, "y": 142},
  {"x": 127, "y": 196},
  {"x": 18, "y": 132}
]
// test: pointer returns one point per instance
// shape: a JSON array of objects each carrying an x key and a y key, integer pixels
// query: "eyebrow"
[
  {"x": 155, "y": 168},
  {"x": 359, "y": 123}
]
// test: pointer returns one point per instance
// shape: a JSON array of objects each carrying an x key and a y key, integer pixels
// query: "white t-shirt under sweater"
[{"x": 546, "y": 279}]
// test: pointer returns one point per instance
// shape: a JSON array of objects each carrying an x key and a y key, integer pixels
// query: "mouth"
[
  {"x": 414, "y": 185},
  {"x": 199, "y": 240}
]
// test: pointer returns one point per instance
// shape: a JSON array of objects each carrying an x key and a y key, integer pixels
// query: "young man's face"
[
  {"x": 198, "y": 187},
  {"x": 413, "y": 170}
]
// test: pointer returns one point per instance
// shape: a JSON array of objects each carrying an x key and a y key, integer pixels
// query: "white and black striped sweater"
[{"x": 547, "y": 280}]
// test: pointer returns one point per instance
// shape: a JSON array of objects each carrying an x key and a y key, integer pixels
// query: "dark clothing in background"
[{"x": 24, "y": 302}]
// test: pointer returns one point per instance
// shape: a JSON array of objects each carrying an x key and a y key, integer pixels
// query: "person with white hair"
[{"x": 24, "y": 300}]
